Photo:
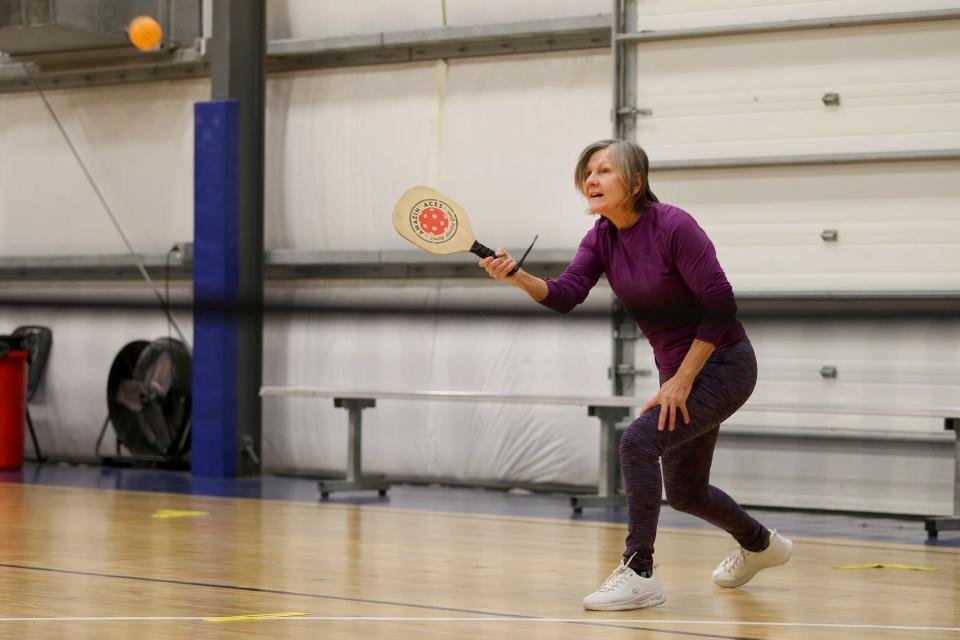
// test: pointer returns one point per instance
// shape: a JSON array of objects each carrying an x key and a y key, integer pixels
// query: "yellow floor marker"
[
  {"x": 177, "y": 513},
  {"x": 257, "y": 616},
  {"x": 884, "y": 565}
]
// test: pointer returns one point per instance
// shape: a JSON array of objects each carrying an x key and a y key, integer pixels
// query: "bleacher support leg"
[
  {"x": 354, "y": 480},
  {"x": 609, "y": 471},
  {"x": 949, "y": 523}
]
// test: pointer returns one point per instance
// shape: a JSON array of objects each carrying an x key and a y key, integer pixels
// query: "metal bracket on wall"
[
  {"x": 628, "y": 370},
  {"x": 633, "y": 112}
]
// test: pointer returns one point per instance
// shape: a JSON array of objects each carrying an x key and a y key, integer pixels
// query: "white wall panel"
[
  {"x": 898, "y": 363},
  {"x": 903, "y": 363},
  {"x": 136, "y": 140},
  {"x": 307, "y": 19},
  {"x": 660, "y": 15},
  {"x": 889, "y": 362},
  {"x": 513, "y": 129},
  {"x": 500, "y": 136},
  {"x": 471, "y": 12},
  {"x": 342, "y": 145},
  {"x": 762, "y": 94},
  {"x": 897, "y": 224},
  {"x": 859, "y": 476},
  {"x": 474, "y": 441}
]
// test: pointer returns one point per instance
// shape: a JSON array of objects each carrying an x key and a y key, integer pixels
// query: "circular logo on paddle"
[{"x": 433, "y": 221}]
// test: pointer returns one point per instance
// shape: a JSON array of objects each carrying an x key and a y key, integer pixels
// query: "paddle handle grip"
[
  {"x": 485, "y": 252},
  {"x": 482, "y": 251}
]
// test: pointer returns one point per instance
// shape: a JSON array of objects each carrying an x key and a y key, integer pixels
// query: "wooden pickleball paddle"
[{"x": 435, "y": 223}]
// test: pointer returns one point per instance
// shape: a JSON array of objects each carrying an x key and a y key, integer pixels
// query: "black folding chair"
[{"x": 37, "y": 341}]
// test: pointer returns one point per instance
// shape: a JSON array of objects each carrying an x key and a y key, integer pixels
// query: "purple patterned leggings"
[{"x": 721, "y": 387}]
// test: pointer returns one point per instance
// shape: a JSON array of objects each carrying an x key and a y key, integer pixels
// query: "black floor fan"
[{"x": 148, "y": 404}]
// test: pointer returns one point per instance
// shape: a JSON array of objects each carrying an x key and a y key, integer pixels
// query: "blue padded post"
[{"x": 216, "y": 260}]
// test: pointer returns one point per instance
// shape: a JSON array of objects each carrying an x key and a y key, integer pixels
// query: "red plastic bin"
[{"x": 13, "y": 408}]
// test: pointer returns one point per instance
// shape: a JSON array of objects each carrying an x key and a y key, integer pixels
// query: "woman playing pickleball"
[{"x": 664, "y": 269}]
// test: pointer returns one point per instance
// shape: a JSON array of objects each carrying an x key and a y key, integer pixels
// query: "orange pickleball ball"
[{"x": 145, "y": 33}]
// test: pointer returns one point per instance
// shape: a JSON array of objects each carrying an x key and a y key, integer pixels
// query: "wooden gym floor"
[{"x": 104, "y": 563}]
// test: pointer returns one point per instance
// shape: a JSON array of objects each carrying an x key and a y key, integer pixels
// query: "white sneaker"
[
  {"x": 741, "y": 565},
  {"x": 625, "y": 589}
]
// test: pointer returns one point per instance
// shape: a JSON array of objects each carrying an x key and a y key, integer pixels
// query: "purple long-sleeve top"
[{"x": 664, "y": 270}]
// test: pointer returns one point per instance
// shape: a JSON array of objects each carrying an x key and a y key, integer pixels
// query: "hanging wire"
[{"x": 164, "y": 304}]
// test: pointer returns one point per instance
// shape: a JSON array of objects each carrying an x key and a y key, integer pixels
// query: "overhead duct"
[{"x": 36, "y": 27}]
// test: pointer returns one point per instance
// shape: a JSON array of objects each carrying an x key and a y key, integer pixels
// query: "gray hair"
[{"x": 630, "y": 162}]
